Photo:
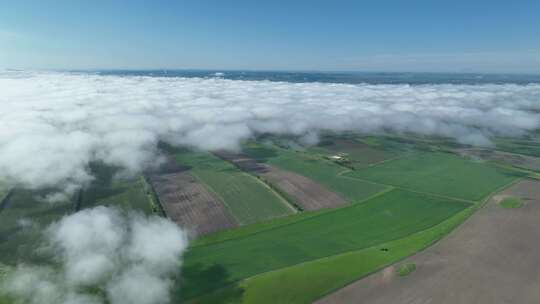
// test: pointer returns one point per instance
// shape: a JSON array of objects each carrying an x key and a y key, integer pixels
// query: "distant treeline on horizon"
[{"x": 414, "y": 78}]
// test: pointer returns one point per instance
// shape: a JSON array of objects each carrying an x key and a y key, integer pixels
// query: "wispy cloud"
[{"x": 102, "y": 255}]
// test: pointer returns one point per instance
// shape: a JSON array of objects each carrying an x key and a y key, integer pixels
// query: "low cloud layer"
[
  {"x": 54, "y": 124},
  {"x": 103, "y": 256}
]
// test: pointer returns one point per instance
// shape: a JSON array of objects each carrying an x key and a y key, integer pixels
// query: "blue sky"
[{"x": 439, "y": 36}]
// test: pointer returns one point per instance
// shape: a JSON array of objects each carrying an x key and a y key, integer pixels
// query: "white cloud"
[
  {"x": 55, "y": 124},
  {"x": 102, "y": 255}
]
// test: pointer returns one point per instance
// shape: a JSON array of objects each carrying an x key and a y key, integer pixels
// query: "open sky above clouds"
[
  {"x": 55, "y": 124},
  {"x": 388, "y": 35}
]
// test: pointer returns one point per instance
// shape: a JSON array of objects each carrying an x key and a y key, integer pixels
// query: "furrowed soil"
[
  {"x": 306, "y": 193},
  {"x": 190, "y": 204}
]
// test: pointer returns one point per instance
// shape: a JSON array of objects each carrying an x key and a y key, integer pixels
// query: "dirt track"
[
  {"x": 494, "y": 257},
  {"x": 190, "y": 204},
  {"x": 308, "y": 194}
]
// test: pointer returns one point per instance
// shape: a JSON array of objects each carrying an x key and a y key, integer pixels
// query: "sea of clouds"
[
  {"x": 102, "y": 255},
  {"x": 52, "y": 125}
]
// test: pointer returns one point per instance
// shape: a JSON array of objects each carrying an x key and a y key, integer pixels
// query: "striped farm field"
[
  {"x": 325, "y": 172},
  {"x": 190, "y": 204},
  {"x": 248, "y": 199}
]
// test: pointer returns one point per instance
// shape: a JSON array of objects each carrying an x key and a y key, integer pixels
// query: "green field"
[
  {"x": 255, "y": 228},
  {"x": 107, "y": 191},
  {"x": 248, "y": 199},
  {"x": 520, "y": 146},
  {"x": 511, "y": 203},
  {"x": 392, "y": 215},
  {"x": 325, "y": 172},
  {"x": 3, "y": 192},
  {"x": 25, "y": 216},
  {"x": 439, "y": 173},
  {"x": 307, "y": 282},
  {"x": 22, "y": 222},
  {"x": 406, "y": 269}
]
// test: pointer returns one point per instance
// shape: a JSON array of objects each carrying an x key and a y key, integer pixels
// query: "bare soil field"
[
  {"x": 306, "y": 193},
  {"x": 190, "y": 204},
  {"x": 516, "y": 160},
  {"x": 494, "y": 257}
]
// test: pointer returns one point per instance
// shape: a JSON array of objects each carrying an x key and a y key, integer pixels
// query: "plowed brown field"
[{"x": 190, "y": 204}]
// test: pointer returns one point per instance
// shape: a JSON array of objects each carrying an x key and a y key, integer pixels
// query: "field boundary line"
[
  {"x": 152, "y": 196},
  {"x": 273, "y": 191},
  {"x": 486, "y": 200},
  {"x": 408, "y": 189},
  {"x": 467, "y": 213},
  {"x": 266, "y": 184},
  {"x": 470, "y": 209},
  {"x": 209, "y": 188},
  {"x": 407, "y": 154},
  {"x": 5, "y": 198},
  {"x": 325, "y": 211}
]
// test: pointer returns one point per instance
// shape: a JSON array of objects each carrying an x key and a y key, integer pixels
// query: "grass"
[
  {"x": 406, "y": 269},
  {"x": 108, "y": 191},
  {"x": 519, "y": 146},
  {"x": 511, "y": 203},
  {"x": 248, "y": 199},
  {"x": 325, "y": 172},
  {"x": 307, "y": 282},
  {"x": 440, "y": 173},
  {"x": 22, "y": 222},
  {"x": 3, "y": 192},
  {"x": 392, "y": 215},
  {"x": 25, "y": 216},
  {"x": 254, "y": 228}
]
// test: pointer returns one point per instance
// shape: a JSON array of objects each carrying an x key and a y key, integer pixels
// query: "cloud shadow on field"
[
  {"x": 213, "y": 282},
  {"x": 261, "y": 154}
]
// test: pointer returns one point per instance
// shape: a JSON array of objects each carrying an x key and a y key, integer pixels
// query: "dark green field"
[
  {"x": 25, "y": 215},
  {"x": 439, "y": 173},
  {"x": 129, "y": 194},
  {"x": 107, "y": 190},
  {"x": 390, "y": 216},
  {"x": 3, "y": 192},
  {"x": 248, "y": 199},
  {"x": 21, "y": 224},
  {"x": 520, "y": 146}
]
